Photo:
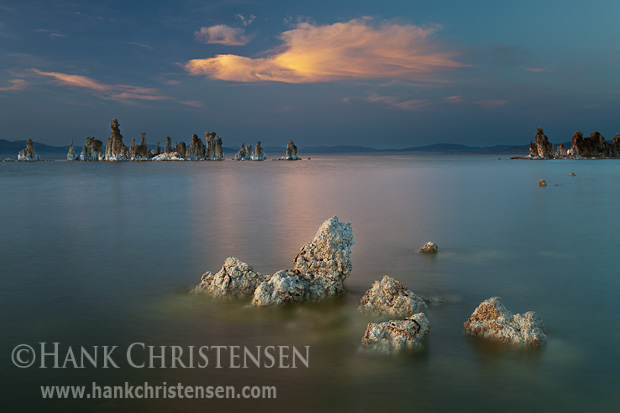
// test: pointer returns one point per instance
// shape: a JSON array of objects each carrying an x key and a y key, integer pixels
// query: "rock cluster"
[
  {"x": 258, "y": 154},
  {"x": 541, "y": 148},
  {"x": 71, "y": 155},
  {"x": 140, "y": 152},
  {"x": 492, "y": 321},
  {"x": 92, "y": 150},
  {"x": 243, "y": 153},
  {"x": 390, "y": 298},
  {"x": 396, "y": 335},
  {"x": 28, "y": 154},
  {"x": 196, "y": 149},
  {"x": 318, "y": 272},
  {"x": 180, "y": 149},
  {"x": 428, "y": 248},
  {"x": 116, "y": 150},
  {"x": 291, "y": 152},
  {"x": 214, "y": 147},
  {"x": 593, "y": 147}
]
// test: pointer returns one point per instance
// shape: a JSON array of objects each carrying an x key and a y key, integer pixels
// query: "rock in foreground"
[
  {"x": 492, "y": 321},
  {"x": 319, "y": 270},
  {"x": 390, "y": 298},
  {"x": 236, "y": 279},
  {"x": 396, "y": 335}
]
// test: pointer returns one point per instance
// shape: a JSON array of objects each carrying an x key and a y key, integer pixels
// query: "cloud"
[
  {"x": 51, "y": 33},
  {"x": 121, "y": 93},
  {"x": 16, "y": 84},
  {"x": 246, "y": 20},
  {"x": 492, "y": 103},
  {"x": 223, "y": 34},
  {"x": 454, "y": 99},
  {"x": 536, "y": 69},
  {"x": 393, "y": 102},
  {"x": 348, "y": 50},
  {"x": 142, "y": 45}
]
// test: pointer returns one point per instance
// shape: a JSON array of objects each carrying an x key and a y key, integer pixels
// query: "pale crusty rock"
[
  {"x": 319, "y": 269},
  {"x": 28, "y": 154},
  {"x": 282, "y": 288},
  {"x": 236, "y": 279},
  {"x": 328, "y": 255},
  {"x": 171, "y": 156},
  {"x": 396, "y": 335},
  {"x": 542, "y": 182},
  {"x": 492, "y": 321},
  {"x": 390, "y": 298},
  {"x": 428, "y": 248}
]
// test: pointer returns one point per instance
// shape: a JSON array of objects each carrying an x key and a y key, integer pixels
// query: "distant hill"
[{"x": 11, "y": 149}]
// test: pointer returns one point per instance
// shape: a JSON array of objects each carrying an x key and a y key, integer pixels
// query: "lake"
[{"x": 104, "y": 254}]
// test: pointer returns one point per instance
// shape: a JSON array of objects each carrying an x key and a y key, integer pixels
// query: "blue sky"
[{"x": 382, "y": 74}]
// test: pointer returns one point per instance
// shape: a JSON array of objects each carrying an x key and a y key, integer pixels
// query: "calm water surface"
[{"x": 105, "y": 253}]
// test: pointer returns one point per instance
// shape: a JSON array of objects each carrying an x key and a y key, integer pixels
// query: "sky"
[{"x": 386, "y": 74}]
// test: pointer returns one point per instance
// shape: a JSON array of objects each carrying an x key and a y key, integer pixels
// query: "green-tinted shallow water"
[{"x": 104, "y": 254}]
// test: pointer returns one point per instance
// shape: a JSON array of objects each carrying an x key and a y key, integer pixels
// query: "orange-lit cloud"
[
  {"x": 350, "y": 50},
  {"x": 536, "y": 69},
  {"x": 223, "y": 34},
  {"x": 121, "y": 93},
  {"x": 16, "y": 84}
]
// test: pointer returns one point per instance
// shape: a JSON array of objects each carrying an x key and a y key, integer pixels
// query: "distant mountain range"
[{"x": 10, "y": 149}]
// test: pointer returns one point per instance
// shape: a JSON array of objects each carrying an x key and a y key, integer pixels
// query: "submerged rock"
[
  {"x": 291, "y": 152},
  {"x": 259, "y": 154},
  {"x": 390, "y": 298},
  {"x": 71, "y": 155},
  {"x": 396, "y": 335},
  {"x": 282, "y": 288},
  {"x": 28, "y": 154},
  {"x": 571, "y": 174},
  {"x": 116, "y": 150},
  {"x": 236, "y": 279},
  {"x": 492, "y": 321},
  {"x": 542, "y": 182},
  {"x": 428, "y": 248}
]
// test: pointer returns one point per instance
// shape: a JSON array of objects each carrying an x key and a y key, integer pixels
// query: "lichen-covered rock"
[
  {"x": 428, "y": 248},
  {"x": 259, "y": 154},
  {"x": 28, "y": 154},
  {"x": 196, "y": 149},
  {"x": 542, "y": 148},
  {"x": 236, "y": 279},
  {"x": 116, "y": 150},
  {"x": 92, "y": 150},
  {"x": 542, "y": 182},
  {"x": 492, "y": 321},
  {"x": 390, "y": 298},
  {"x": 396, "y": 335},
  {"x": 71, "y": 155}
]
